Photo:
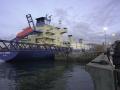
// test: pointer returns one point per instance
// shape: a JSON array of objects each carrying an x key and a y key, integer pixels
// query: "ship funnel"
[{"x": 40, "y": 21}]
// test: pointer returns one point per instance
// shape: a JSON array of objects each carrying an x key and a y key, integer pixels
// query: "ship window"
[
  {"x": 64, "y": 28},
  {"x": 38, "y": 34},
  {"x": 37, "y": 40}
]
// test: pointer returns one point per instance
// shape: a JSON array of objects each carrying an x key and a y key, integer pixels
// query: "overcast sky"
[{"x": 84, "y": 18}]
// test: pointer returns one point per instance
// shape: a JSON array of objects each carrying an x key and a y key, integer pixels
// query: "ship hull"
[{"x": 26, "y": 55}]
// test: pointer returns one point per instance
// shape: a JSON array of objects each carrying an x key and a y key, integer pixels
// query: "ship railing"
[{"x": 13, "y": 46}]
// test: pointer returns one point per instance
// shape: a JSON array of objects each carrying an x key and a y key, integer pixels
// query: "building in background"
[{"x": 82, "y": 45}]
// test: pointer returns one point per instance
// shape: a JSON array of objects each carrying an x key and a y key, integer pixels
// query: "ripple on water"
[{"x": 44, "y": 76}]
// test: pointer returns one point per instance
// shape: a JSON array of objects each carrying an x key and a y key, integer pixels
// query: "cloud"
[
  {"x": 76, "y": 28},
  {"x": 61, "y": 13},
  {"x": 84, "y": 31},
  {"x": 81, "y": 29},
  {"x": 83, "y": 18}
]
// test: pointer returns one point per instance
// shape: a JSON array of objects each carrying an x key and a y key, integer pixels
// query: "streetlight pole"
[
  {"x": 105, "y": 39},
  {"x": 105, "y": 29}
]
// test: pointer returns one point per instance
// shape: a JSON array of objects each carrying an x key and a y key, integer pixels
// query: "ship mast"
[{"x": 48, "y": 19}]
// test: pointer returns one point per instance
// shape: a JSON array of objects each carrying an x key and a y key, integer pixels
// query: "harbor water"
[{"x": 44, "y": 76}]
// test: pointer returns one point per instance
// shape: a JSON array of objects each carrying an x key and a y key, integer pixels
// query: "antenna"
[
  {"x": 48, "y": 18},
  {"x": 60, "y": 23},
  {"x": 30, "y": 21}
]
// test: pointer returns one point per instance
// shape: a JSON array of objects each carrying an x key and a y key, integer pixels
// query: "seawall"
[
  {"x": 103, "y": 73},
  {"x": 77, "y": 56}
]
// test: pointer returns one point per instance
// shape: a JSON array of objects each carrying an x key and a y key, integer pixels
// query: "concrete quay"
[{"x": 103, "y": 74}]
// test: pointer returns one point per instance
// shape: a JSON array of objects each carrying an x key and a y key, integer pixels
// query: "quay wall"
[
  {"x": 77, "y": 56},
  {"x": 102, "y": 73}
]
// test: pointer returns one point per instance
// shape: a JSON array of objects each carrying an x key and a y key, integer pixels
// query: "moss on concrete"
[{"x": 81, "y": 57}]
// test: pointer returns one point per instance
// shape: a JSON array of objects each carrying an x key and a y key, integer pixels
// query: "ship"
[{"x": 42, "y": 33}]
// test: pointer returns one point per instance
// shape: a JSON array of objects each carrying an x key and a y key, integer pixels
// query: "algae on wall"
[{"x": 81, "y": 57}]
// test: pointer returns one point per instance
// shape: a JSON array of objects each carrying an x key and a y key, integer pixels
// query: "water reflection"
[
  {"x": 44, "y": 76},
  {"x": 7, "y": 77}
]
